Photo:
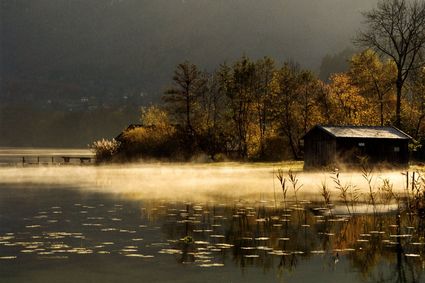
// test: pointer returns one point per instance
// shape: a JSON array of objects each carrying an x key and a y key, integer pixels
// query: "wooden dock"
[
  {"x": 45, "y": 157},
  {"x": 47, "y": 160},
  {"x": 83, "y": 159}
]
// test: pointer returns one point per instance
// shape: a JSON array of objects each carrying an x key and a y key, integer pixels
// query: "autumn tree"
[
  {"x": 213, "y": 115},
  {"x": 309, "y": 91},
  {"x": 374, "y": 80},
  {"x": 348, "y": 106},
  {"x": 263, "y": 97},
  {"x": 286, "y": 104},
  {"x": 324, "y": 102},
  {"x": 154, "y": 116},
  {"x": 396, "y": 29},
  {"x": 188, "y": 84},
  {"x": 297, "y": 106},
  {"x": 153, "y": 139},
  {"x": 240, "y": 92},
  {"x": 415, "y": 110}
]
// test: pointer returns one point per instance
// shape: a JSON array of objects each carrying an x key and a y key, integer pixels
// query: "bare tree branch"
[{"x": 396, "y": 29}]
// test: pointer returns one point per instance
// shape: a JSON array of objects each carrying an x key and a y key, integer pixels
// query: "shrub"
[
  {"x": 104, "y": 149},
  {"x": 148, "y": 141}
]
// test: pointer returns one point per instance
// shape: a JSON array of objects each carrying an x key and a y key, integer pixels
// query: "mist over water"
[
  {"x": 186, "y": 182},
  {"x": 225, "y": 222}
]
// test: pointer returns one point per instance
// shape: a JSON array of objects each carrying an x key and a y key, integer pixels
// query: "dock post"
[{"x": 23, "y": 160}]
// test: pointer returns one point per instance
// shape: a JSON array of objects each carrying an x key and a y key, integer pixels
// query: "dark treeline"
[{"x": 259, "y": 110}]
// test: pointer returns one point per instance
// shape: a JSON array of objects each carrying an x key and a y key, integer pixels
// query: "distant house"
[{"x": 335, "y": 145}]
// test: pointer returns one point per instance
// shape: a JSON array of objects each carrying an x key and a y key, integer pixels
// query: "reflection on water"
[{"x": 64, "y": 235}]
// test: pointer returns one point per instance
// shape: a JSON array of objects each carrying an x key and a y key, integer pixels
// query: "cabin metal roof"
[{"x": 375, "y": 132}]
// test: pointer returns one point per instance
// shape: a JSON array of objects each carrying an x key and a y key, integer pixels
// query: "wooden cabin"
[{"x": 326, "y": 146}]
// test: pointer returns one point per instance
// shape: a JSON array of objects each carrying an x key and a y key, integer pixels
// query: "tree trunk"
[
  {"x": 262, "y": 128},
  {"x": 399, "y": 86},
  {"x": 292, "y": 145},
  {"x": 418, "y": 126},
  {"x": 381, "y": 106}
]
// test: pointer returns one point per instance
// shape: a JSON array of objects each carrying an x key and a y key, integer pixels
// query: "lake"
[{"x": 203, "y": 223}]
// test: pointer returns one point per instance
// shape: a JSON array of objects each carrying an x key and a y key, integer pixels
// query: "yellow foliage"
[
  {"x": 349, "y": 107},
  {"x": 153, "y": 138},
  {"x": 154, "y": 116},
  {"x": 375, "y": 82},
  {"x": 149, "y": 136}
]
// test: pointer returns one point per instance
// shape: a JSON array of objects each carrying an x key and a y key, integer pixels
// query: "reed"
[
  {"x": 348, "y": 192},
  {"x": 387, "y": 194},
  {"x": 282, "y": 180},
  {"x": 293, "y": 179},
  {"x": 326, "y": 194},
  {"x": 367, "y": 174}
]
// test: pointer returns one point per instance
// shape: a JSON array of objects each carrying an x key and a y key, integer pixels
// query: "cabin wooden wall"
[
  {"x": 392, "y": 151},
  {"x": 319, "y": 149}
]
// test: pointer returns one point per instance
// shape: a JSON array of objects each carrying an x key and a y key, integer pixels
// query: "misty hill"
[
  {"x": 139, "y": 42},
  {"x": 121, "y": 48}
]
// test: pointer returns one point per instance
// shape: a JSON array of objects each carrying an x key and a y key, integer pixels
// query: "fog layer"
[{"x": 185, "y": 182}]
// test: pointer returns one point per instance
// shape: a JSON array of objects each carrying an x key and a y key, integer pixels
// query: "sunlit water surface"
[{"x": 197, "y": 223}]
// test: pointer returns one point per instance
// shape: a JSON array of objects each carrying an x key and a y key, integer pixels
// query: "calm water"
[
  {"x": 66, "y": 235},
  {"x": 196, "y": 223}
]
